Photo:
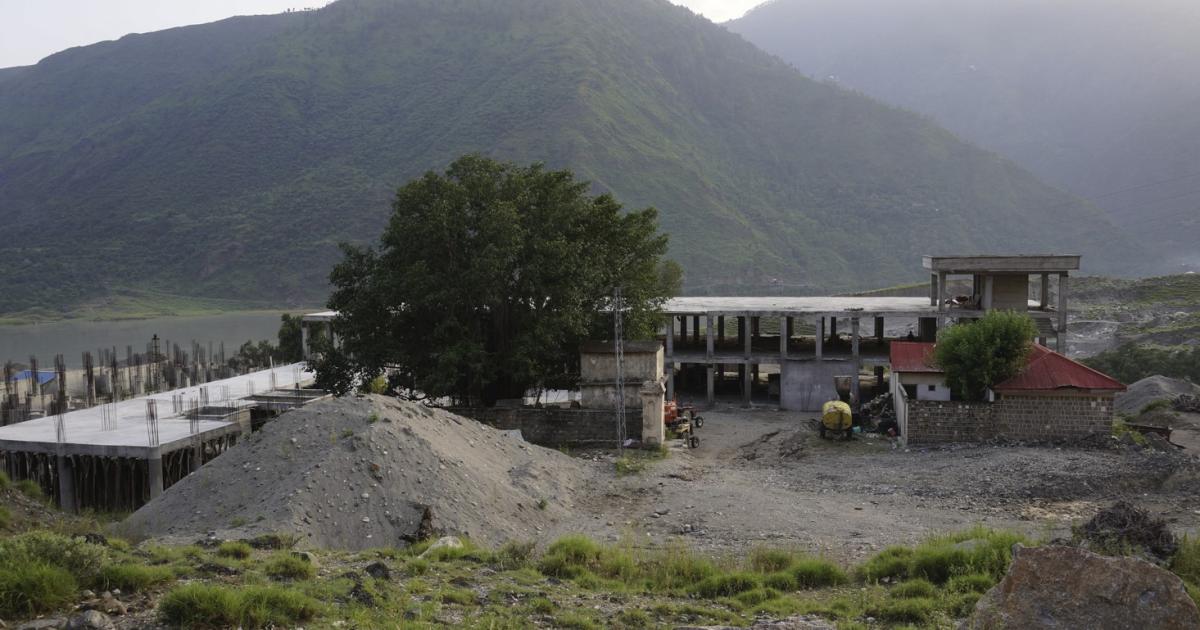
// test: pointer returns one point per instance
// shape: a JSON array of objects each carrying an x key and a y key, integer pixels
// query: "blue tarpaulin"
[{"x": 43, "y": 376}]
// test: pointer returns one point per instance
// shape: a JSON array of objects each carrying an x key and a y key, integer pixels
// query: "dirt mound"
[
  {"x": 1124, "y": 528},
  {"x": 1150, "y": 389},
  {"x": 364, "y": 472}
]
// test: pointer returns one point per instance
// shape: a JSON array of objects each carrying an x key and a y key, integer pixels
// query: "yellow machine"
[{"x": 836, "y": 417}]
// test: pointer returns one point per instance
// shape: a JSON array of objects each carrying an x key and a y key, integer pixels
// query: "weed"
[
  {"x": 5, "y": 482},
  {"x": 575, "y": 620},
  {"x": 913, "y": 589},
  {"x": 971, "y": 583},
  {"x": 569, "y": 556},
  {"x": 237, "y": 521},
  {"x": 890, "y": 563},
  {"x": 373, "y": 418},
  {"x": 346, "y": 433},
  {"x": 817, "y": 573},
  {"x": 31, "y": 489},
  {"x": 770, "y": 560},
  {"x": 74, "y": 555},
  {"x": 1121, "y": 428},
  {"x": 542, "y": 504},
  {"x": 757, "y": 596},
  {"x": 633, "y": 618},
  {"x": 459, "y": 596},
  {"x": 417, "y": 566},
  {"x": 677, "y": 567},
  {"x": 1186, "y": 561},
  {"x": 132, "y": 578},
  {"x": 28, "y": 587},
  {"x": 540, "y": 605},
  {"x": 917, "y": 610},
  {"x": 782, "y": 581},
  {"x": 962, "y": 605},
  {"x": 727, "y": 585},
  {"x": 5, "y": 518},
  {"x": 201, "y": 605},
  {"x": 283, "y": 565},
  {"x": 514, "y": 555},
  {"x": 234, "y": 549}
]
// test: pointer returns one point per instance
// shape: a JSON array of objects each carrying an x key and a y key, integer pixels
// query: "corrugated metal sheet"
[
  {"x": 912, "y": 356},
  {"x": 1049, "y": 370}
]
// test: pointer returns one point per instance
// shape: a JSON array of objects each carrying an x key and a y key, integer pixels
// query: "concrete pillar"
[
  {"x": 197, "y": 456},
  {"x": 653, "y": 431},
  {"x": 747, "y": 338},
  {"x": 941, "y": 298},
  {"x": 1045, "y": 291},
  {"x": 783, "y": 339},
  {"x": 154, "y": 473},
  {"x": 755, "y": 330},
  {"x": 721, "y": 328},
  {"x": 696, "y": 329},
  {"x": 820, "y": 337},
  {"x": 304, "y": 340},
  {"x": 709, "y": 340},
  {"x": 743, "y": 327},
  {"x": 933, "y": 289},
  {"x": 854, "y": 342},
  {"x": 1060, "y": 340},
  {"x": 746, "y": 386},
  {"x": 927, "y": 329},
  {"x": 833, "y": 329},
  {"x": 669, "y": 362},
  {"x": 65, "y": 471},
  {"x": 711, "y": 392},
  {"x": 879, "y": 330},
  {"x": 683, "y": 329}
]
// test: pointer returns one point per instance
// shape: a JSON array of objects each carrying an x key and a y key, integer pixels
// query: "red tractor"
[{"x": 683, "y": 421}]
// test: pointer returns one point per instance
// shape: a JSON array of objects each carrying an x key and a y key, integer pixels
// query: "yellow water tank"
[{"x": 836, "y": 416}]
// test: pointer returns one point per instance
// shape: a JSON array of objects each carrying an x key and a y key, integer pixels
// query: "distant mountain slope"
[
  {"x": 229, "y": 159},
  {"x": 1101, "y": 97}
]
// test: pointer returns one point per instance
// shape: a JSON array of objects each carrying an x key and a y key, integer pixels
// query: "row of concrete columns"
[{"x": 747, "y": 329}]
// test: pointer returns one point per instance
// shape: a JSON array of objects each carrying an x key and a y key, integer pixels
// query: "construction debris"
[{"x": 1125, "y": 528}]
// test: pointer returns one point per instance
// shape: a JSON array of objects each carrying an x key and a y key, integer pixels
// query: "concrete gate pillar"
[{"x": 653, "y": 431}]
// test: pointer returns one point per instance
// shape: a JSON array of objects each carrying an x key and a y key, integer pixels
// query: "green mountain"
[
  {"x": 229, "y": 159},
  {"x": 1100, "y": 97}
]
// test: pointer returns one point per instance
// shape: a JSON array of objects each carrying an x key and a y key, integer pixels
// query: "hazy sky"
[{"x": 33, "y": 29}]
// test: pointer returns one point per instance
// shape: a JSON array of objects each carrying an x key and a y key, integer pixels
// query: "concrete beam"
[{"x": 1051, "y": 263}]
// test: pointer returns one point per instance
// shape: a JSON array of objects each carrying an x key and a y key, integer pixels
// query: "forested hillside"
[
  {"x": 229, "y": 159},
  {"x": 1101, "y": 97}
]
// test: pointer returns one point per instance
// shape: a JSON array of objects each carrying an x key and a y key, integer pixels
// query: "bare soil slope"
[{"x": 364, "y": 472}]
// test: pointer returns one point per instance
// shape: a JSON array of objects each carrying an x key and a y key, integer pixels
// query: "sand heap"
[{"x": 363, "y": 472}]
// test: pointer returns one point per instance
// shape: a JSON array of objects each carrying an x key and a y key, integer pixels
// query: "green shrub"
[
  {"x": 74, "y": 555},
  {"x": 30, "y": 488},
  {"x": 5, "y": 518},
  {"x": 234, "y": 549},
  {"x": 938, "y": 564},
  {"x": 202, "y": 605},
  {"x": 29, "y": 587},
  {"x": 132, "y": 578},
  {"x": 817, "y": 573},
  {"x": 978, "y": 550},
  {"x": 914, "y": 589},
  {"x": 575, "y": 621},
  {"x": 982, "y": 353},
  {"x": 633, "y": 618},
  {"x": 5, "y": 482},
  {"x": 540, "y": 605},
  {"x": 677, "y": 567},
  {"x": 1186, "y": 561},
  {"x": 903, "y": 610},
  {"x": 971, "y": 583},
  {"x": 890, "y": 563},
  {"x": 770, "y": 560},
  {"x": 727, "y": 585},
  {"x": 283, "y": 565}
]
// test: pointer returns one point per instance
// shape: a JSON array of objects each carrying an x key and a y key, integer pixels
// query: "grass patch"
[
  {"x": 757, "y": 596},
  {"x": 460, "y": 596},
  {"x": 570, "y": 556},
  {"x": 81, "y": 559},
  {"x": 634, "y": 462},
  {"x": 727, "y": 585},
  {"x": 202, "y": 605},
  {"x": 5, "y": 518},
  {"x": 131, "y": 578},
  {"x": 1186, "y": 561},
  {"x": 283, "y": 565},
  {"x": 514, "y": 555},
  {"x": 234, "y": 549},
  {"x": 817, "y": 573},
  {"x": 540, "y": 606},
  {"x": 5, "y": 482},
  {"x": 913, "y": 589},
  {"x": 971, "y": 583},
  {"x": 770, "y": 560},
  {"x": 28, "y": 588},
  {"x": 890, "y": 563},
  {"x": 918, "y": 610}
]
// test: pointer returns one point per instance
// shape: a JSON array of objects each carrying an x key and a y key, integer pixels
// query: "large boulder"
[{"x": 1067, "y": 587}]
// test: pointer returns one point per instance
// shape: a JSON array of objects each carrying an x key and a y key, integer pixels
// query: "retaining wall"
[{"x": 555, "y": 427}]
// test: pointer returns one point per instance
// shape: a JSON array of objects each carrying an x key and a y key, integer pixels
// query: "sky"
[{"x": 33, "y": 29}]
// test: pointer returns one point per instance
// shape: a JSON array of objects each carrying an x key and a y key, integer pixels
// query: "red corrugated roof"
[
  {"x": 912, "y": 356},
  {"x": 1049, "y": 370}
]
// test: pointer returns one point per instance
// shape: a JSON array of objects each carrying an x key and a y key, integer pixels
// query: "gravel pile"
[
  {"x": 361, "y": 472},
  {"x": 1150, "y": 389}
]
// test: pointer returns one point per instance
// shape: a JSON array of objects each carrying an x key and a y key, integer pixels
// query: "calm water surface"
[{"x": 73, "y": 338}]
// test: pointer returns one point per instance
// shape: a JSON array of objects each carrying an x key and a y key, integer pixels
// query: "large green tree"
[
  {"x": 486, "y": 280},
  {"x": 984, "y": 352}
]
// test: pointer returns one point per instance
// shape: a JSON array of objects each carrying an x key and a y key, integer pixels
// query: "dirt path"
[{"x": 764, "y": 477}]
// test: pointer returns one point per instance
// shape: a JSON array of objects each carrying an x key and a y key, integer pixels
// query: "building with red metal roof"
[{"x": 1049, "y": 371}]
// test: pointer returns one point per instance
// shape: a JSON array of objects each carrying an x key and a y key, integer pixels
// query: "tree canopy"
[
  {"x": 982, "y": 353},
  {"x": 486, "y": 280}
]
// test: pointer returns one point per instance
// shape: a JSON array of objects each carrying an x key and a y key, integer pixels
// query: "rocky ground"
[{"x": 763, "y": 477}]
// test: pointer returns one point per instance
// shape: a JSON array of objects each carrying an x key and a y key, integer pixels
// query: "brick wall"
[
  {"x": 554, "y": 427},
  {"x": 1025, "y": 418}
]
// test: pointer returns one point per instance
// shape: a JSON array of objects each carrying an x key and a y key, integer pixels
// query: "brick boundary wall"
[
  {"x": 1024, "y": 418},
  {"x": 555, "y": 427}
]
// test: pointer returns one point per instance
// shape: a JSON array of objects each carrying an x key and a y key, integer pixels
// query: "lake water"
[{"x": 73, "y": 338}]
